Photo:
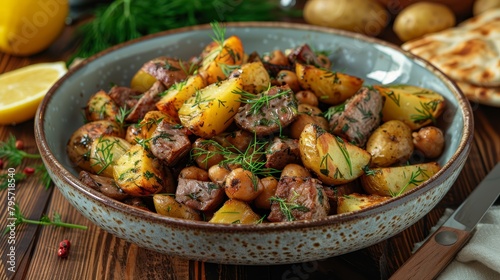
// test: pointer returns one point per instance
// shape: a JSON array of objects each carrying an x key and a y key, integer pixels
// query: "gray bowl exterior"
[{"x": 271, "y": 243}]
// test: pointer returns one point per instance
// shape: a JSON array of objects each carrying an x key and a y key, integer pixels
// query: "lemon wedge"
[{"x": 23, "y": 89}]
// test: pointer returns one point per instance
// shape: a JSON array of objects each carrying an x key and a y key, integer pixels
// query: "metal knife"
[{"x": 443, "y": 245}]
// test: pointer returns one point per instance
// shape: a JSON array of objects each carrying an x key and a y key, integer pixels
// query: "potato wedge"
[
  {"x": 138, "y": 173},
  {"x": 218, "y": 57},
  {"x": 150, "y": 122},
  {"x": 391, "y": 143},
  {"x": 254, "y": 77},
  {"x": 142, "y": 81},
  {"x": 329, "y": 86},
  {"x": 212, "y": 109},
  {"x": 101, "y": 107},
  {"x": 415, "y": 106},
  {"x": 355, "y": 201},
  {"x": 166, "y": 205},
  {"x": 104, "y": 153},
  {"x": 393, "y": 181},
  {"x": 334, "y": 160},
  {"x": 235, "y": 212},
  {"x": 177, "y": 94},
  {"x": 81, "y": 140}
]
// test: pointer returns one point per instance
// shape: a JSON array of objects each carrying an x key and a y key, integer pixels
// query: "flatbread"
[{"x": 469, "y": 54}]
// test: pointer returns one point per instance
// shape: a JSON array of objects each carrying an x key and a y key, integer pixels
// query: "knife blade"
[{"x": 443, "y": 245}]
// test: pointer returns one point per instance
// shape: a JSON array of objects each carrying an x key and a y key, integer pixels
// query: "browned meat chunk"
[
  {"x": 102, "y": 184},
  {"x": 169, "y": 143},
  {"x": 269, "y": 112},
  {"x": 146, "y": 103},
  {"x": 305, "y": 55},
  {"x": 356, "y": 119},
  {"x": 282, "y": 152},
  {"x": 124, "y": 97},
  {"x": 167, "y": 70},
  {"x": 199, "y": 195},
  {"x": 299, "y": 198}
]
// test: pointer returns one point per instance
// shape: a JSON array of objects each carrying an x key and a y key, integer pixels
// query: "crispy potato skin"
[
  {"x": 235, "y": 212},
  {"x": 104, "y": 153},
  {"x": 355, "y": 201},
  {"x": 168, "y": 206},
  {"x": 101, "y": 107},
  {"x": 391, "y": 143},
  {"x": 230, "y": 53}
]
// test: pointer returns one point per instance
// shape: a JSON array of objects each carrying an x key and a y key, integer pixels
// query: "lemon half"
[{"x": 22, "y": 90}]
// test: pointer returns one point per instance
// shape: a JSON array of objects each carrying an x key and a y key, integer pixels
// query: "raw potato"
[
  {"x": 235, "y": 212},
  {"x": 334, "y": 160},
  {"x": 354, "y": 202},
  {"x": 362, "y": 16},
  {"x": 415, "y": 106},
  {"x": 484, "y": 5},
  {"x": 423, "y": 18},
  {"x": 104, "y": 153},
  {"x": 393, "y": 181},
  {"x": 212, "y": 109},
  {"x": 138, "y": 173},
  {"x": 329, "y": 86},
  {"x": 168, "y": 206},
  {"x": 390, "y": 143}
]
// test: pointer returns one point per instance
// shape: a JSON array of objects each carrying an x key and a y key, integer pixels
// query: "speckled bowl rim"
[{"x": 455, "y": 161}]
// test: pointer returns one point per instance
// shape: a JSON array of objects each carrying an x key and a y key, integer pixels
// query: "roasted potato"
[
  {"x": 177, "y": 94},
  {"x": 393, "y": 181},
  {"x": 362, "y": 16},
  {"x": 218, "y": 57},
  {"x": 330, "y": 87},
  {"x": 422, "y": 18},
  {"x": 307, "y": 115},
  {"x": 104, "y": 153},
  {"x": 138, "y": 173},
  {"x": 263, "y": 201},
  {"x": 429, "y": 141},
  {"x": 142, "y": 81},
  {"x": 415, "y": 106},
  {"x": 355, "y": 201},
  {"x": 391, "y": 143},
  {"x": 254, "y": 77},
  {"x": 81, "y": 140},
  {"x": 101, "y": 107},
  {"x": 235, "y": 212},
  {"x": 212, "y": 109},
  {"x": 168, "y": 206},
  {"x": 150, "y": 122},
  {"x": 334, "y": 160}
]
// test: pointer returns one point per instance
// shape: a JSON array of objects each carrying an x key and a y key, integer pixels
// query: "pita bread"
[{"x": 468, "y": 53}]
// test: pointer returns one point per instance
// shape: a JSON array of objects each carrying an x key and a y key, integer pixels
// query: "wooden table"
[{"x": 95, "y": 254}]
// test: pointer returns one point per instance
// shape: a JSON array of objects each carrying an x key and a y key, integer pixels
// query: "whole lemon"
[{"x": 30, "y": 26}]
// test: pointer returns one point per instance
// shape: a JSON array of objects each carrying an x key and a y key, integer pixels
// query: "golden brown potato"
[
  {"x": 307, "y": 115},
  {"x": 254, "y": 77},
  {"x": 177, "y": 94},
  {"x": 329, "y": 86},
  {"x": 429, "y": 140},
  {"x": 242, "y": 185},
  {"x": 219, "y": 56},
  {"x": 269, "y": 190},
  {"x": 168, "y": 206},
  {"x": 295, "y": 170},
  {"x": 287, "y": 77},
  {"x": 142, "y": 81},
  {"x": 422, "y": 18},
  {"x": 415, "y": 106},
  {"x": 101, "y": 107},
  {"x": 133, "y": 133},
  {"x": 393, "y": 181},
  {"x": 307, "y": 97},
  {"x": 334, "y": 160},
  {"x": 235, "y": 212},
  {"x": 355, "y": 201},
  {"x": 481, "y": 6},
  {"x": 104, "y": 153},
  {"x": 138, "y": 173},
  {"x": 81, "y": 140},
  {"x": 362, "y": 16},
  {"x": 391, "y": 143},
  {"x": 194, "y": 173},
  {"x": 212, "y": 109},
  {"x": 150, "y": 122},
  {"x": 218, "y": 174}
]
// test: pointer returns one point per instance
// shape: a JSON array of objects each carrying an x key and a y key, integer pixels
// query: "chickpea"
[
  {"x": 325, "y": 61},
  {"x": 240, "y": 139},
  {"x": 194, "y": 173},
  {"x": 243, "y": 185},
  {"x": 218, "y": 174},
  {"x": 429, "y": 140},
  {"x": 307, "y": 97},
  {"x": 307, "y": 114},
  {"x": 287, "y": 77},
  {"x": 295, "y": 170},
  {"x": 262, "y": 201},
  {"x": 206, "y": 154}
]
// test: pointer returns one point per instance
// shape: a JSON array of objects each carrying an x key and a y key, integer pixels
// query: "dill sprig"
[
  {"x": 257, "y": 101},
  {"x": 13, "y": 155},
  {"x": 413, "y": 180},
  {"x": 123, "y": 20},
  {"x": 44, "y": 221}
]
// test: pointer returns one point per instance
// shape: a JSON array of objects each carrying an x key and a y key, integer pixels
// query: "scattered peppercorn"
[
  {"x": 63, "y": 250},
  {"x": 19, "y": 144},
  {"x": 29, "y": 170}
]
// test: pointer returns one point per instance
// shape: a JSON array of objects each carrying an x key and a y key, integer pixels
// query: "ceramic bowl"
[{"x": 59, "y": 116}]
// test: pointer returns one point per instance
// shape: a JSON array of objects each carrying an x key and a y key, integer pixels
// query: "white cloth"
[{"x": 480, "y": 257}]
